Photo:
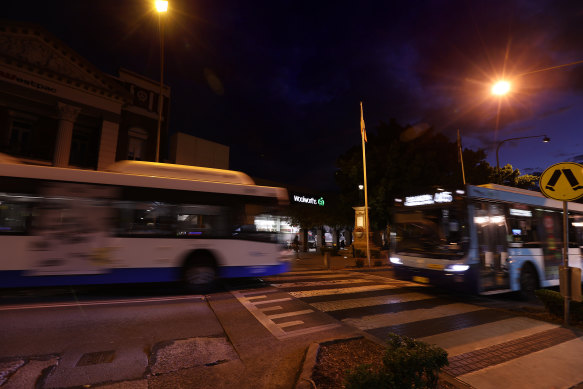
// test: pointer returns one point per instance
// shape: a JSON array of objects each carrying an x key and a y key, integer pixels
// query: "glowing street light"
[
  {"x": 501, "y": 88},
  {"x": 546, "y": 139},
  {"x": 161, "y": 7}
]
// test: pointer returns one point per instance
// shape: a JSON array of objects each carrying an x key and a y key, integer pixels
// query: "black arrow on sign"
[
  {"x": 570, "y": 177},
  {"x": 572, "y": 180}
]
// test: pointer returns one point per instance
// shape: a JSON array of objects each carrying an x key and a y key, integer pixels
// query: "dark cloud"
[{"x": 281, "y": 81}]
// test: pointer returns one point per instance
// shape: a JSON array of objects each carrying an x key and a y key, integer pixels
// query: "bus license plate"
[
  {"x": 435, "y": 266},
  {"x": 423, "y": 280}
]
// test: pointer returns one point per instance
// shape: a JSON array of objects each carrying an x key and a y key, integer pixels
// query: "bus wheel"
[
  {"x": 200, "y": 273},
  {"x": 528, "y": 282}
]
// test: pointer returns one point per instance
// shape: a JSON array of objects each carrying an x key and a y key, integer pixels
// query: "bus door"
[{"x": 491, "y": 228}]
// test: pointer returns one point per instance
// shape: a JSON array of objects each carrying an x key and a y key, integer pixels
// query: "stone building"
[{"x": 56, "y": 108}]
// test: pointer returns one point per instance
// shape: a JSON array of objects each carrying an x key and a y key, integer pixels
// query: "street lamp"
[
  {"x": 161, "y": 7},
  {"x": 546, "y": 139},
  {"x": 501, "y": 88}
]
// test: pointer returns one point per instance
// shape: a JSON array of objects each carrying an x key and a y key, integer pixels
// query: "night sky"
[{"x": 280, "y": 81}]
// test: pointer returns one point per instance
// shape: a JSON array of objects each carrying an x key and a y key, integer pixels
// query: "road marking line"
[
  {"x": 288, "y": 314},
  {"x": 485, "y": 335},
  {"x": 256, "y": 297},
  {"x": 310, "y": 330},
  {"x": 320, "y": 283},
  {"x": 101, "y": 302},
  {"x": 321, "y": 273},
  {"x": 268, "y": 301},
  {"x": 396, "y": 318},
  {"x": 275, "y": 329},
  {"x": 274, "y": 308},
  {"x": 290, "y": 323},
  {"x": 336, "y": 305},
  {"x": 262, "y": 291},
  {"x": 340, "y": 291}
]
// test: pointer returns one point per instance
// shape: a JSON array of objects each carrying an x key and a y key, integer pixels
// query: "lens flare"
[{"x": 501, "y": 88}]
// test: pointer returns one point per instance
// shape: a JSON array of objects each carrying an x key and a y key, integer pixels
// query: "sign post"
[{"x": 564, "y": 181}]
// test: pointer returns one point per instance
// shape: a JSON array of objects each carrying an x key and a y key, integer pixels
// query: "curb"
[
  {"x": 311, "y": 358},
  {"x": 305, "y": 381}
]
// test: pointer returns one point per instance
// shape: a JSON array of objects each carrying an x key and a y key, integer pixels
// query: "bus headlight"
[
  {"x": 396, "y": 261},
  {"x": 457, "y": 268}
]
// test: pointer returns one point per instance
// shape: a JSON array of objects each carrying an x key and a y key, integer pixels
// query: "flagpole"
[
  {"x": 363, "y": 136},
  {"x": 461, "y": 156}
]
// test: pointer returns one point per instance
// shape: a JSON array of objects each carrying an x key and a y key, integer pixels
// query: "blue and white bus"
[
  {"x": 136, "y": 222},
  {"x": 485, "y": 239}
]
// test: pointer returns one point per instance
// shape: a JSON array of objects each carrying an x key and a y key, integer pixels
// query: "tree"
[
  {"x": 509, "y": 176},
  {"x": 402, "y": 161}
]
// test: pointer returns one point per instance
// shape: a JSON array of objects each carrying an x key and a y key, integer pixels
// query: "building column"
[
  {"x": 67, "y": 116},
  {"x": 108, "y": 144}
]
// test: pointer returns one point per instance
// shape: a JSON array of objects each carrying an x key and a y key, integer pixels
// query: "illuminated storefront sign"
[
  {"x": 427, "y": 199},
  {"x": 308, "y": 200},
  {"x": 520, "y": 212}
]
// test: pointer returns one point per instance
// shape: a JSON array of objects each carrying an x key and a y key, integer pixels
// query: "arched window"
[{"x": 137, "y": 143}]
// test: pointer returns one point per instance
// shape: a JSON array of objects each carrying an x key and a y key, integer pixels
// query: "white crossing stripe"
[
  {"x": 309, "y": 330},
  {"x": 485, "y": 335},
  {"x": 317, "y": 273},
  {"x": 277, "y": 329},
  {"x": 261, "y": 296},
  {"x": 339, "y": 291},
  {"x": 396, "y": 318},
  {"x": 307, "y": 284},
  {"x": 329, "y": 306},
  {"x": 269, "y": 301},
  {"x": 274, "y": 308},
  {"x": 288, "y": 314},
  {"x": 291, "y": 323}
]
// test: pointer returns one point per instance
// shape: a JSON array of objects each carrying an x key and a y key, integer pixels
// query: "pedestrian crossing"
[
  {"x": 282, "y": 315},
  {"x": 481, "y": 341}
]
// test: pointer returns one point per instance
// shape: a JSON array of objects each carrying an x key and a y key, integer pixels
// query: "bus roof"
[
  {"x": 517, "y": 195},
  {"x": 195, "y": 173},
  {"x": 149, "y": 174}
]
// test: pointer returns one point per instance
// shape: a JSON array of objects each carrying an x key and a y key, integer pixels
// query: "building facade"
[
  {"x": 58, "y": 109},
  {"x": 191, "y": 150}
]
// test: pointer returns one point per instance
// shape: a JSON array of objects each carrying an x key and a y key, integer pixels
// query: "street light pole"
[
  {"x": 161, "y": 7},
  {"x": 545, "y": 140}
]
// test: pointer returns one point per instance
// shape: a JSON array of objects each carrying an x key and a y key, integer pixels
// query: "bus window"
[
  {"x": 575, "y": 230},
  {"x": 15, "y": 213},
  {"x": 145, "y": 218},
  {"x": 522, "y": 227},
  {"x": 436, "y": 232},
  {"x": 202, "y": 221}
]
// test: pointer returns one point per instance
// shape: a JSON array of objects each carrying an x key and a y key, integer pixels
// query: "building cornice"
[{"x": 32, "y": 49}]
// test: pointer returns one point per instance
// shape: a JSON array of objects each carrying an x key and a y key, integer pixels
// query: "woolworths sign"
[{"x": 307, "y": 200}]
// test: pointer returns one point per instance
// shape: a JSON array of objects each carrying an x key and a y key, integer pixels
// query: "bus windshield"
[{"x": 432, "y": 232}]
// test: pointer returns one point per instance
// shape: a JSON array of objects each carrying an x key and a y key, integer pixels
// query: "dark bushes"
[
  {"x": 407, "y": 363},
  {"x": 555, "y": 304}
]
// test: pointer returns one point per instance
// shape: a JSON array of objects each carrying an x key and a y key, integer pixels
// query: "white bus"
[
  {"x": 135, "y": 222},
  {"x": 485, "y": 239}
]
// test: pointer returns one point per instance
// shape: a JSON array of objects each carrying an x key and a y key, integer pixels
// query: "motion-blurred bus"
[
  {"x": 135, "y": 222},
  {"x": 485, "y": 239}
]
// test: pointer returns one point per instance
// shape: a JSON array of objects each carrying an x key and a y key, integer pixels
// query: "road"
[{"x": 254, "y": 334}]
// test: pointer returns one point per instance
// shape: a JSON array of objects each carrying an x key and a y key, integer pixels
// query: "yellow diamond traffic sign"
[{"x": 562, "y": 181}]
